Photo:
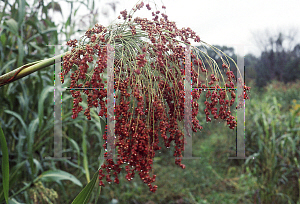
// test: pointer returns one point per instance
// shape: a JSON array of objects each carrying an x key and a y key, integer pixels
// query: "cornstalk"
[{"x": 28, "y": 69}]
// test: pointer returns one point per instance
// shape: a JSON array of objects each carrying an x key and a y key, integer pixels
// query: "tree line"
[{"x": 275, "y": 62}]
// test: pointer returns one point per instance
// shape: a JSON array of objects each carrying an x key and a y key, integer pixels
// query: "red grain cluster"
[{"x": 149, "y": 108}]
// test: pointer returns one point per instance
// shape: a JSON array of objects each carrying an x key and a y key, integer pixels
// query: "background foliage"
[{"x": 272, "y": 128}]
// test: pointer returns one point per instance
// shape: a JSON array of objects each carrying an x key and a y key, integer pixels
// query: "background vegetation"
[{"x": 26, "y": 107}]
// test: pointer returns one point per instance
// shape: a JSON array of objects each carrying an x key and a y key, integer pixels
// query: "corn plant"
[
  {"x": 27, "y": 104},
  {"x": 272, "y": 139}
]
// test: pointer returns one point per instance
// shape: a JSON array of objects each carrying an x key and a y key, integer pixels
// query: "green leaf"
[
  {"x": 20, "y": 52},
  {"x": 49, "y": 30},
  {"x": 7, "y": 65},
  {"x": 44, "y": 36},
  {"x": 55, "y": 6},
  {"x": 85, "y": 158},
  {"x": 30, "y": 141},
  {"x": 98, "y": 193},
  {"x": 75, "y": 145},
  {"x": 103, "y": 125},
  {"x": 57, "y": 175},
  {"x": 13, "y": 201},
  {"x": 76, "y": 10},
  {"x": 16, "y": 173},
  {"x": 41, "y": 33},
  {"x": 12, "y": 25},
  {"x": 2, "y": 39},
  {"x": 43, "y": 97},
  {"x": 21, "y": 12},
  {"x": 5, "y": 165},
  {"x": 84, "y": 196},
  {"x": 34, "y": 45},
  {"x": 294, "y": 116},
  {"x": 19, "y": 118},
  {"x": 68, "y": 22}
]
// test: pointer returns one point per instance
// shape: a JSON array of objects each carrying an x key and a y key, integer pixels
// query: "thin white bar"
[
  {"x": 110, "y": 102},
  {"x": 188, "y": 105},
  {"x": 57, "y": 108}
]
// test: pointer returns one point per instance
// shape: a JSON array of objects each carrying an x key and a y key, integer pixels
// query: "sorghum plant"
[{"x": 149, "y": 74}]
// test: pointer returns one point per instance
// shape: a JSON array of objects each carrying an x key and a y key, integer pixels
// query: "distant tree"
[
  {"x": 277, "y": 61},
  {"x": 250, "y": 64},
  {"x": 292, "y": 68}
]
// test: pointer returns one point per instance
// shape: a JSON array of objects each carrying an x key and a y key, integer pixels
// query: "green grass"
[{"x": 212, "y": 179}]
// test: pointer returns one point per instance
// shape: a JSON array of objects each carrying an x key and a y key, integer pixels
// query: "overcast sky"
[{"x": 223, "y": 22}]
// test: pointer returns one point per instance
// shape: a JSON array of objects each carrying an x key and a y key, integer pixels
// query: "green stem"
[
  {"x": 22, "y": 189},
  {"x": 28, "y": 69}
]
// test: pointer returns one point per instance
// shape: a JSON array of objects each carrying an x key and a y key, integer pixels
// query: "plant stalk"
[{"x": 28, "y": 69}]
